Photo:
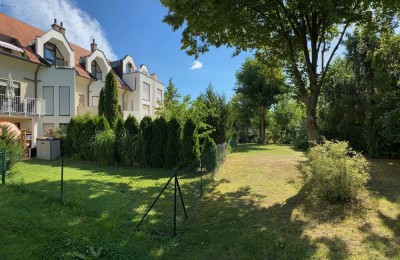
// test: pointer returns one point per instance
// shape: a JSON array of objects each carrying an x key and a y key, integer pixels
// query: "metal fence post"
[
  {"x": 3, "y": 167},
  {"x": 62, "y": 178},
  {"x": 175, "y": 186}
]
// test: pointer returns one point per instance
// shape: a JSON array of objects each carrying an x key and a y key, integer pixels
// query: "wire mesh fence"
[{"x": 119, "y": 195}]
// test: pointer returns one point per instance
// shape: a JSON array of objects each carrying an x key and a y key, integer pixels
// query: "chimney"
[
  {"x": 62, "y": 29},
  {"x": 93, "y": 46},
  {"x": 55, "y": 26}
]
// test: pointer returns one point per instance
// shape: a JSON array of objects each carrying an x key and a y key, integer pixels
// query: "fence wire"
[{"x": 118, "y": 194}]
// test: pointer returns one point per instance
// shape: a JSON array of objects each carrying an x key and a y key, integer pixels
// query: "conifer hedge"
[
  {"x": 158, "y": 142},
  {"x": 146, "y": 128},
  {"x": 172, "y": 155},
  {"x": 190, "y": 150}
]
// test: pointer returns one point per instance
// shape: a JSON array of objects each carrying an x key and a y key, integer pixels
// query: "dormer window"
[
  {"x": 52, "y": 55},
  {"x": 96, "y": 70},
  {"x": 129, "y": 68}
]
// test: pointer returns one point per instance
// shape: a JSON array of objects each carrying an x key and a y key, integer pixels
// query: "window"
[
  {"x": 96, "y": 70},
  {"x": 3, "y": 88},
  {"x": 129, "y": 68},
  {"x": 52, "y": 55},
  {"x": 64, "y": 101},
  {"x": 95, "y": 101},
  {"x": 146, "y": 110},
  {"x": 48, "y": 95},
  {"x": 48, "y": 129},
  {"x": 159, "y": 96},
  {"x": 146, "y": 91},
  {"x": 131, "y": 105},
  {"x": 81, "y": 100}
]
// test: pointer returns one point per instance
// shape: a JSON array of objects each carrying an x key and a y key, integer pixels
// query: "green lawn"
[{"x": 256, "y": 208}]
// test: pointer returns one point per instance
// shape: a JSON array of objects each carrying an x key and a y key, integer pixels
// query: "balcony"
[{"x": 19, "y": 106}]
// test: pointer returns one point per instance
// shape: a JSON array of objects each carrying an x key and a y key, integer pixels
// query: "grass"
[{"x": 257, "y": 208}]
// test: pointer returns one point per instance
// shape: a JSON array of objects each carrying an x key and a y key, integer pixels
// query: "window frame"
[
  {"x": 146, "y": 84},
  {"x": 97, "y": 71},
  {"x": 57, "y": 56},
  {"x": 47, "y": 112},
  {"x": 62, "y": 98}
]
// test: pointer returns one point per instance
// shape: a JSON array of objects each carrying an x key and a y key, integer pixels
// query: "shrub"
[
  {"x": 335, "y": 172},
  {"x": 127, "y": 151},
  {"x": 72, "y": 135},
  {"x": 102, "y": 124},
  {"x": 86, "y": 137},
  {"x": 61, "y": 133},
  {"x": 172, "y": 151},
  {"x": 209, "y": 154},
  {"x": 119, "y": 135},
  {"x": 301, "y": 138},
  {"x": 190, "y": 151},
  {"x": 10, "y": 144},
  {"x": 104, "y": 147},
  {"x": 132, "y": 125},
  {"x": 146, "y": 127},
  {"x": 110, "y": 104},
  {"x": 139, "y": 151},
  {"x": 158, "y": 142}
]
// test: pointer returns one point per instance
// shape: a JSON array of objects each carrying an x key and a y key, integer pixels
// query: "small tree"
[
  {"x": 132, "y": 126},
  {"x": 158, "y": 142},
  {"x": 111, "y": 107},
  {"x": 101, "y": 102},
  {"x": 10, "y": 144},
  {"x": 146, "y": 128},
  {"x": 209, "y": 154},
  {"x": 172, "y": 157},
  {"x": 190, "y": 151},
  {"x": 119, "y": 135}
]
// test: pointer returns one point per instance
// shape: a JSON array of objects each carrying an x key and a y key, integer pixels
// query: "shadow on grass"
[
  {"x": 245, "y": 148},
  {"x": 234, "y": 225}
]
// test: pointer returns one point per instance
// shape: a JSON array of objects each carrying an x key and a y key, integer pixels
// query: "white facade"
[{"x": 66, "y": 86}]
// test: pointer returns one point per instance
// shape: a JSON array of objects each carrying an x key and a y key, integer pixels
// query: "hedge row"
[{"x": 155, "y": 143}]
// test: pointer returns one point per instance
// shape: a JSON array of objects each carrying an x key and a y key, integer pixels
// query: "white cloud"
[
  {"x": 196, "y": 65},
  {"x": 80, "y": 27}
]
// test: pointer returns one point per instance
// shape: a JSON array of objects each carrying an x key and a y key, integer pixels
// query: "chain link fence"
[{"x": 152, "y": 200}]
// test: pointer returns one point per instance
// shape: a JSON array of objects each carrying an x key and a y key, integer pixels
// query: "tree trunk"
[
  {"x": 311, "y": 120},
  {"x": 262, "y": 125}
]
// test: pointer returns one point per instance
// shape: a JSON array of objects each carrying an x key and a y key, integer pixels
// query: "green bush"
[
  {"x": 335, "y": 172},
  {"x": 190, "y": 152},
  {"x": 61, "y": 133},
  {"x": 72, "y": 135},
  {"x": 102, "y": 124},
  {"x": 86, "y": 137},
  {"x": 127, "y": 151},
  {"x": 119, "y": 135},
  {"x": 132, "y": 125},
  {"x": 301, "y": 138},
  {"x": 146, "y": 128},
  {"x": 209, "y": 154},
  {"x": 139, "y": 152},
  {"x": 158, "y": 142},
  {"x": 11, "y": 145},
  {"x": 172, "y": 156},
  {"x": 104, "y": 147}
]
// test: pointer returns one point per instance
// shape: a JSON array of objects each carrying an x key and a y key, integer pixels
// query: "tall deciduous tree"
[
  {"x": 111, "y": 107},
  {"x": 261, "y": 84},
  {"x": 304, "y": 35}
]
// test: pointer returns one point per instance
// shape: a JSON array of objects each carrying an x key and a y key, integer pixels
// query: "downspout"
[
  {"x": 36, "y": 80},
  {"x": 88, "y": 94}
]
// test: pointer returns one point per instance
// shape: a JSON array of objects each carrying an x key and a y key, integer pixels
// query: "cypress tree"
[
  {"x": 132, "y": 126},
  {"x": 101, "y": 102},
  {"x": 111, "y": 107},
  {"x": 173, "y": 144},
  {"x": 119, "y": 135},
  {"x": 102, "y": 124},
  {"x": 158, "y": 142},
  {"x": 146, "y": 127},
  {"x": 190, "y": 151},
  {"x": 209, "y": 154}
]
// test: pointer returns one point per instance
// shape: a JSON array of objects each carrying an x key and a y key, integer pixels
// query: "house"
[{"x": 55, "y": 79}]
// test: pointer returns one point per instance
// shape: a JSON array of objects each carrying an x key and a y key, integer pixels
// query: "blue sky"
[{"x": 135, "y": 27}]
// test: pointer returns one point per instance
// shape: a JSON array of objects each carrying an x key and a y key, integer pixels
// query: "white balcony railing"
[{"x": 22, "y": 106}]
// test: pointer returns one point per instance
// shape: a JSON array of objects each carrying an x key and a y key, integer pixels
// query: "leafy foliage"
[
  {"x": 146, "y": 128},
  {"x": 158, "y": 142},
  {"x": 111, "y": 108},
  {"x": 132, "y": 125},
  {"x": 335, "y": 172},
  {"x": 104, "y": 147},
  {"x": 119, "y": 135},
  {"x": 209, "y": 154},
  {"x": 190, "y": 151},
  {"x": 101, "y": 105},
  {"x": 10, "y": 144},
  {"x": 173, "y": 147}
]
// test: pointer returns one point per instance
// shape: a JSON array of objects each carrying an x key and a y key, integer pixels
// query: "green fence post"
[{"x": 3, "y": 167}]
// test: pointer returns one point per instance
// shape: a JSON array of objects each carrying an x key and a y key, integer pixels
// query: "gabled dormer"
[
  {"x": 54, "y": 48},
  {"x": 128, "y": 65},
  {"x": 96, "y": 63},
  {"x": 143, "y": 69}
]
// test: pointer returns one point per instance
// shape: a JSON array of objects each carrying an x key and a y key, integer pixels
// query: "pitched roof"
[{"x": 26, "y": 33}]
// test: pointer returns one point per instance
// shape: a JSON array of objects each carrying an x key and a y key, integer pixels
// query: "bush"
[
  {"x": 190, "y": 152},
  {"x": 139, "y": 151},
  {"x": 146, "y": 127},
  {"x": 11, "y": 145},
  {"x": 209, "y": 154},
  {"x": 61, "y": 133},
  {"x": 335, "y": 172},
  {"x": 126, "y": 150},
  {"x": 172, "y": 151},
  {"x": 301, "y": 138},
  {"x": 158, "y": 142},
  {"x": 104, "y": 147},
  {"x": 132, "y": 125},
  {"x": 102, "y": 124},
  {"x": 119, "y": 135}
]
